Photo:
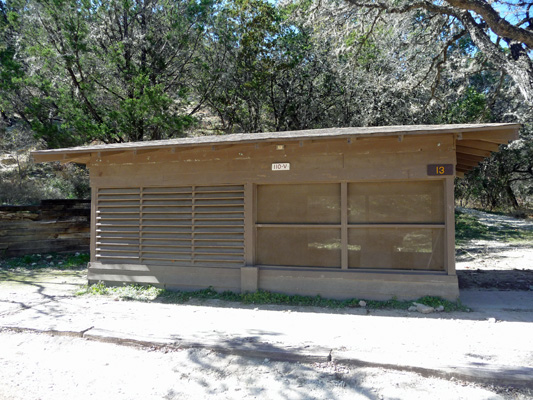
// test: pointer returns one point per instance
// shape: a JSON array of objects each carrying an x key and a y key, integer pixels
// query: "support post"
[
  {"x": 92, "y": 224},
  {"x": 449, "y": 206},
  {"x": 249, "y": 225},
  {"x": 344, "y": 225},
  {"x": 249, "y": 279}
]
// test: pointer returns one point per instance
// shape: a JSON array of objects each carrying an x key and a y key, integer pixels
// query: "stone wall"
[{"x": 53, "y": 226}]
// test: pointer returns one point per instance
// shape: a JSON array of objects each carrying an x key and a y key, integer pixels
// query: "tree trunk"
[{"x": 511, "y": 196}]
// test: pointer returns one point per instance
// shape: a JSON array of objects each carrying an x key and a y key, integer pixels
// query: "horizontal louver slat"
[
  {"x": 164, "y": 190},
  {"x": 208, "y": 236},
  {"x": 216, "y": 189}
]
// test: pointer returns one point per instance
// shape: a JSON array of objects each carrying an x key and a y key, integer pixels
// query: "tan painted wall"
[
  {"x": 338, "y": 160},
  {"x": 311, "y": 161}
]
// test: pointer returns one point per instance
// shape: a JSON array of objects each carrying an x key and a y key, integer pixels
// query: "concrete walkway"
[{"x": 492, "y": 344}]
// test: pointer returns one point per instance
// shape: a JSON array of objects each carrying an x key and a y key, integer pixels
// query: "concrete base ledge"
[
  {"x": 368, "y": 285},
  {"x": 328, "y": 283}
]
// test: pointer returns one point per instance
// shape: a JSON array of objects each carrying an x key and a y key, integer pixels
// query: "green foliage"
[
  {"x": 114, "y": 71},
  {"x": 146, "y": 293},
  {"x": 436, "y": 302},
  {"x": 46, "y": 261},
  {"x": 28, "y": 184},
  {"x": 125, "y": 292},
  {"x": 471, "y": 107},
  {"x": 97, "y": 289}
]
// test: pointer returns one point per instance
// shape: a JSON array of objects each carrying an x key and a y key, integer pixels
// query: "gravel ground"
[
  {"x": 492, "y": 264},
  {"x": 37, "y": 366}
]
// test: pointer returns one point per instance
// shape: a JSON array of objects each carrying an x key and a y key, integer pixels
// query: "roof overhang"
[{"x": 474, "y": 142}]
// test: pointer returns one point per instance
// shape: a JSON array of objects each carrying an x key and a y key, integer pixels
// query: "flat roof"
[{"x": 499, "y": 133}]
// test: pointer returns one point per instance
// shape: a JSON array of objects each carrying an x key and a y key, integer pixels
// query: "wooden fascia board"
[
  {"x": 502, "y": 136},
  {"x": 66, "y": 157}
]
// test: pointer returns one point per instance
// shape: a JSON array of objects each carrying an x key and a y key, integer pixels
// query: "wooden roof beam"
[
  {"x": 463, "y": 168},
  {"x": 470, "y": 157},
  {"x": 473, "y": 152},
  {"x": 77, "y": 160},
  {"x": 470, "y": 163},
  {"x": 479, "y": 144}
]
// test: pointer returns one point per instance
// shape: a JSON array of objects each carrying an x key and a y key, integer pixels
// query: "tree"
[
  {"x": 268, "y": 73},
  {"x": 507, "y": 43},
  {"x": 113, "y": 70}
]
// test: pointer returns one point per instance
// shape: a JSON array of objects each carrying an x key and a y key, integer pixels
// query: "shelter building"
[{"x": 341, "y": 212}]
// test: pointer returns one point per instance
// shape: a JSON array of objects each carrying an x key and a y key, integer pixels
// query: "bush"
[{"x": 32, "y": 183}]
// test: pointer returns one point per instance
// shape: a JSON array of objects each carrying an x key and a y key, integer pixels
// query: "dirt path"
[
  {"x": 34, "y": 366},
  {"x": 502, "y": 263}
]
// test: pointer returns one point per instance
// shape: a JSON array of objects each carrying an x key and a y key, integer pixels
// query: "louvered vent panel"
[
  {"x": 117, "y": 225},
  {"x": 166, "y": 229},
  {"x": 218, "y": 229},
  {"x": 187, "y": 226}
]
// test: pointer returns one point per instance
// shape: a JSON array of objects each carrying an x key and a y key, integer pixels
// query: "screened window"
[
  {"x": 396, "y": 248},
  {"x": 396, "y": 202},
  {"x": 299, "y": 247},
  {"x": 299, "y": 225},
  {"x": 384, "y": 225},
  {"x": 377, "y": 214},
  {"x": 306, "y": 204}
]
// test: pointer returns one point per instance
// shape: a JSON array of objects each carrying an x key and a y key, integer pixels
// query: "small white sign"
[{"x": 284, "y": 166}]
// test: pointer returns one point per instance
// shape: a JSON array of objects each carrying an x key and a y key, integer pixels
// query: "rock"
[
  {"x": 412, "y": 308},
  {"x": 530, "y": 287},
  {"x": 440, "y": 308},
  {"x": 362, "y": 303},
  {"x": 49, "y": 257},
  {"x": 422, "y": 308},
  {"x": 492, "y": 320}
]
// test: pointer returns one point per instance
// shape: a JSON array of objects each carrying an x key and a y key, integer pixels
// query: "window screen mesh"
[
  {"x": 313, "y": 247},
  {"x": 396, "y": 202},
  {"x": 314, "y": 204},
  {"x": 396, "y": 248}
]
